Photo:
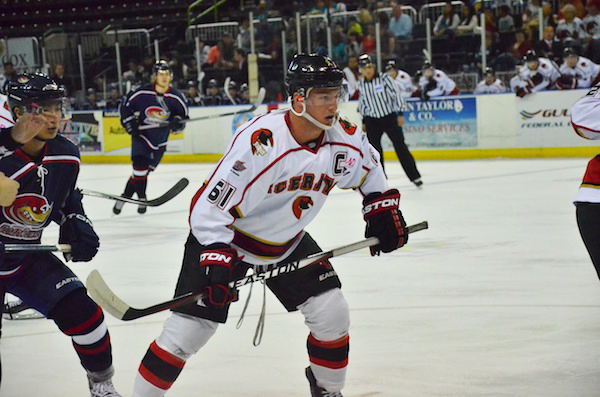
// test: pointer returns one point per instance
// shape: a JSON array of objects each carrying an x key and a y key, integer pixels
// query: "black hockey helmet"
[
  {"x": 212, "y": 83},
  {"x": 31, "y": 92},
  {"x": 569, "y": 52},
  {"x": 427, "y": 65},
  {"x": 391, "y": 65},
  {"x": 489, "y": 72},
  {"x": 312, "y": 71},
  {"x": 244, "y": 87},
  {"x": 364, "y": 60},
  {"x": 531, "y": 56},
  {"x": 232, "y": 85},
  {"x": 161, "y": 66}
]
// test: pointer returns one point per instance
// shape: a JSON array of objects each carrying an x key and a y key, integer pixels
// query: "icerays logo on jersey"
[
  {"x": 260, "y": 141},
  {"x": 156, "y": 114},
  {"x": 300, "y": 204},
  {"x": 27, "y": 215}
]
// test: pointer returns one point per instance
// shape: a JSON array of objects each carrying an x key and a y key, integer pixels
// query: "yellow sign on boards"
[{"x": 115, "y": 136}]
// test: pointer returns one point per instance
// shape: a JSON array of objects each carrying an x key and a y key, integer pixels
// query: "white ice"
[{"x": 498, "y": 298}]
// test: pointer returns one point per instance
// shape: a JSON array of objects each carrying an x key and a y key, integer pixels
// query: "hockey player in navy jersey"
[
  {"x": 46, "y": 165},
  {"x": 274, "y": 178},
  {"x": 149, "y": 114}
]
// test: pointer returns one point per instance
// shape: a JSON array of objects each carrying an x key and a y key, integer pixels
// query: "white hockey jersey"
[
  {"x": 527, "y": 77},
  {"x": 496, "y": 87},
  {"x": 405, "y": 84},
  {"x": 591, "y": 25},
  {"x": 573, "y": 30},
  {"x": 6, "y": 119},
  {"x": 445, "y": 85},
  {"x": 267, "y": 188},
  {"x": 585, "y": 118},
  {"x": 585, "y": 71}
]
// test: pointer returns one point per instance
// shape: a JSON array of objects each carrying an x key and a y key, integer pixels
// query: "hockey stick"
[
  {"x": 259, "y": 100},
  {"x": 20, "y": 248},
  {"x": 226, "y": 90},
  {"x": 103, "y": 295},
  {"x": 171, "y": 193}
]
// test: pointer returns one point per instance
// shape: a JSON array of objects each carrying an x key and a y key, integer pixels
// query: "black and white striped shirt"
[{"x": 379, "y": 97}]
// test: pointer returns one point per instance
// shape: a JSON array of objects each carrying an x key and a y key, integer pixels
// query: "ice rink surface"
[{"x": 498, "y": 298}]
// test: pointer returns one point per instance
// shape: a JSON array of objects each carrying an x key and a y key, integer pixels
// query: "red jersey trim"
[{"x": 260, "y": 247}]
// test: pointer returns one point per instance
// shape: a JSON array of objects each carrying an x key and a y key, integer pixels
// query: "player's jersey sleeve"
[
  {"x": 126, "y": 109},
  {"x": 585, "y": 114},
  {"x": 236, "y": 186},
  {"x": 367, "y": 175},
  {"x": 7, "y": 144}
]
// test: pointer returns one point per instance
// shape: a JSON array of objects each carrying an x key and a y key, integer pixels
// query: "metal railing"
[{"x": 434, "y": 10}]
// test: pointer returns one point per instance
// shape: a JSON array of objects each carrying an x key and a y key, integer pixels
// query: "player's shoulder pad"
[{"x": 62, "y": 146}]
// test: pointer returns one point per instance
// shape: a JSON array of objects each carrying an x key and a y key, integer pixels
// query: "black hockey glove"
[
  {"x": 218, "y": 261},
  {"x": 177, "y": 124},
  {"x": 566, "y": 82},
  {"x": 431, "y": 85},
  {"x": 523, "y": 91},
  {"x": 384, "y": 221},
  {"x": 536, "y": 79},
  {"x": 77, "y": 230},
  {"x": 131, "y": 125}
]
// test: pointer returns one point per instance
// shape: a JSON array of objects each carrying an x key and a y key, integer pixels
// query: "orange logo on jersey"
[
  {"x": 348, "y": 126},
  {"x": 300, "y": 204},
  {"x": 260, "y": 140},
  {"x": 156, "y": 113},
  {"x": 28, "y": 209}
]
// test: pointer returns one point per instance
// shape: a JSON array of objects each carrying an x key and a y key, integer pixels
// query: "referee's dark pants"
[{"x": 389, "y": 124}]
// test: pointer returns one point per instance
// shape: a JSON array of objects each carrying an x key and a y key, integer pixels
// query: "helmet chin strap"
[{"x": 304, "y": 113}]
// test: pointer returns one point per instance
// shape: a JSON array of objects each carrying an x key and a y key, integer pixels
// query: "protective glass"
[{"x": 327, "y": 97}]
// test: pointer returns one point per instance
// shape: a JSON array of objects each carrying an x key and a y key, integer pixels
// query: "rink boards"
[{"x": 457, "y": 127}]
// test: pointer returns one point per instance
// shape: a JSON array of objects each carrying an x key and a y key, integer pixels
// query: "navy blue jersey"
[
  {"x": 47, "y": 191},
  {"x": 151, "y": 109}
]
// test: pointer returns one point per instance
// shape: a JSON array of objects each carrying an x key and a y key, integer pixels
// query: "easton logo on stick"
[{"x": 260, "y": 140}]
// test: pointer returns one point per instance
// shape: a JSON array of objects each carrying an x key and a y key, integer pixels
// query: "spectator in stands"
[
  {"x": 521, "y": 45},
  {"x": 368, "y": 42},
  {"x": 319, "y": 8},
  {"x": 212, "y": 97},
  {"x": 352, "y": 75},
  {"x": 227, "y": 51},
  {"x": 338, "y": 51},
  {"x": 60, "y": 79},
  {"x": 244, "y": 34},
  {"x": 91, "y": 102},
  {"x": 577, "y": 4},
  {"x": 192, "y": 97},
  {"x": 264, "y": 35},
  {"x": 133, "y": 74},
  {"x": 469, "y": 20},
  {"x": 577, "y": 71},
  {"x": 9, "y": 75},
  {"x": 114, "y": 99},
  {"x": 549, "y": 47},
  {"x": 204, "y": 52},
  {"x": 354, "y": 27},
  {"x": 490, "y": 84},
  {"x": 190, "y": 70},
  {"x": 491, "y": 26},
  {"x": 146, "y": 68},
  {"x": 400, "y": 24},
  {"x": 241, "y": 65},
  {"x": 446, "y": 23},
  {"x": 570, "y": 27},
  {"x": 353, "y": 46},
  {"x": 591, "y": 25},
  {"x": 548, "y": 14},
  {"x": 506, "y": 22},
  {"x": 434, "y": 83}
]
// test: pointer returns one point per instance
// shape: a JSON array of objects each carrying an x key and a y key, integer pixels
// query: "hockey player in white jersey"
[
  {"x": 490, "y": 83},
  {"x": 5, "y": 116},
  {"x": 586, "y": 122},
  {"x": 402, "y": 79},
  {"x": 536, "y": 75},
  {"x": 577, "y": 71},
  {"x": 434, "y": 83},
  {"x": 272, "y": 181}
]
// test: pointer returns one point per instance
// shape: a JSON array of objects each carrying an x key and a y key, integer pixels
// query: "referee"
[{"x": 380, "y": 106}]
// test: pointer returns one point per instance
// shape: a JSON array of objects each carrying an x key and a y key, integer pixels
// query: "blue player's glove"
[
  {"x": 177, "y": 124},
  {"x": 77, "y": 230},
  {"x": 131, "y": 125}
]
